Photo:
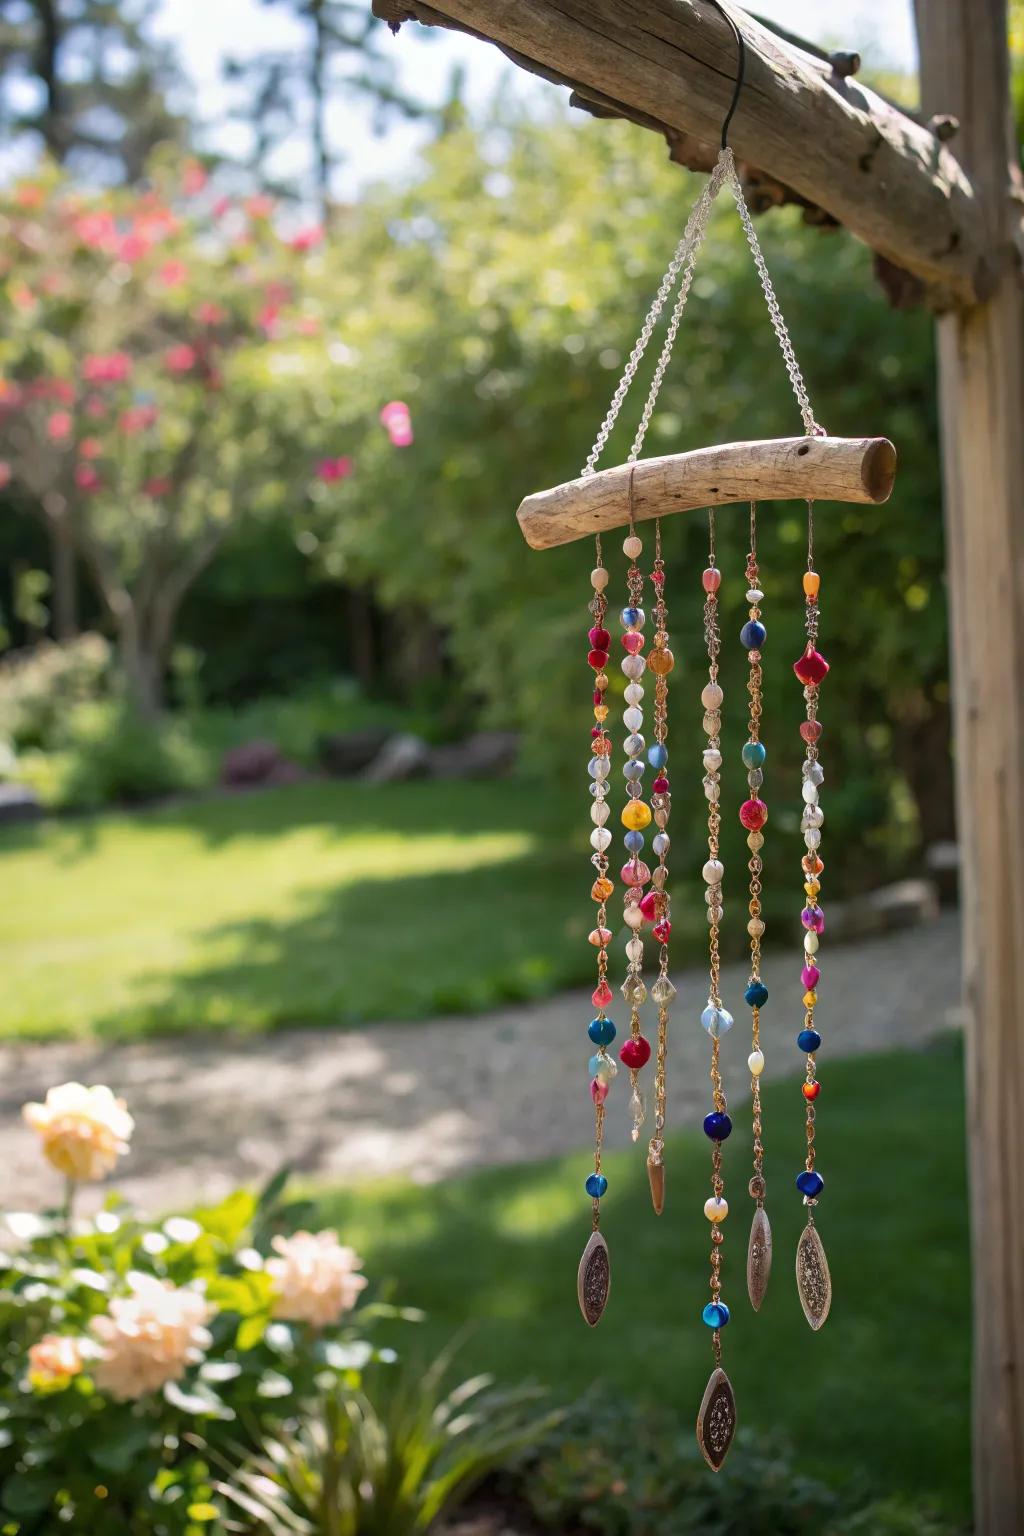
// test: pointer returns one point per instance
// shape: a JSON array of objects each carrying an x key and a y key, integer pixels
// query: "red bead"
[
  {"x": 633, "y": 642},
  {"x": 753, "y": 814},
  {"x": 635, "y": 1053},
  {"x": 811, "y": 730},
  {"x": 597, "y": 659},
  {"x": 599, "y": 638},
  {"x": 811, "y": 1090},
  {"x": 601, "y": 995},
  {"x": 596, "y": 731},
  {"x": 598, "y": 696},
  {"x": 662, "y": 930},
  {"x": 660, "y": 786},
  {"x": 811, "y": 667},
  {"x": 711, "y": 579},
  {"x": 658, "y": 578}
]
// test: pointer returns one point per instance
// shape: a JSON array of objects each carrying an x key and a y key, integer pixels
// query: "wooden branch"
[
  {"x": 670, "y": 64},
  {"x": 858, "y": 469}
]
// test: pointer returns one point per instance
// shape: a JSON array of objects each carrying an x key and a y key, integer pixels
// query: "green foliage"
[
  {"x": 109, "y": 755},
  {"x": 70, "y": 1452},
  {"x": 391, "y": 1459},
  {"x": 41, "y": 686}
]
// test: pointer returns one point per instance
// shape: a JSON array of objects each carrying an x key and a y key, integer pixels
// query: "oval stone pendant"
[
  {"x": 759, "y": 1257},
  {"x": 594, "y": 1279},
  {"x": 716, "y": 1419},
  {"x": 813, "y": 1280},
  {"x": 656, "y": 1175}
]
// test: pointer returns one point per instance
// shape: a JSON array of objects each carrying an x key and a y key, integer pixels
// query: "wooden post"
[{"x": 965, "y": 71}]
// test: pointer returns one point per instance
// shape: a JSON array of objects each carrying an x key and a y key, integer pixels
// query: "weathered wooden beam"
[
  {"x": 671, "y": 64},
  {"x": 859, "y": 469}
]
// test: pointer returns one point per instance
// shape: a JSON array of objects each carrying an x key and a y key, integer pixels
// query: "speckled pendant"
[
  {"x": 813, "y": 1280},
  {"x": 759, "y": 1257},
  {"x": 594, "y": 1279},
  {"x": 716, "y": 1419}
]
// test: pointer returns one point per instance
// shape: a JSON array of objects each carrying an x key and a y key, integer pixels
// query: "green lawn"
[
  {"x": 880, "y": 1394},
  {"x": 328, "y": 903}
]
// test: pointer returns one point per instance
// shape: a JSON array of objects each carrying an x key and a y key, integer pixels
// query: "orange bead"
[
  {"x": 661, "y": 662},
  {"x": 600, "y": 937},
  {"x": 602, "y": 746},
  {"x": 810, "y": 998},
  {"x": 600, "y": 712},
  {"x": 601, "y": 681},
  {"x": 602, "y": 889},
  {"x": 812, "y": 865},
  {"x": 812, "y": 583},
  {"x": 810, "y": 1090}
]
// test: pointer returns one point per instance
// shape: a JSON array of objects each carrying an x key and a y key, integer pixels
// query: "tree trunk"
[
  {"x": 965, "y": 71},
  {"x": 63, "y": 569}
]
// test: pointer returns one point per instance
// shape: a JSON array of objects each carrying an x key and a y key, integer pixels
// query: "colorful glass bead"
[
  {"x": 661, "y": 843},
  {"x": 756, "y": 995},
  {"x": 810, "y": 1183},
  {"x": 600, "y": 937},
  {"x": 711, "y": 580},
  {"x": 635, "y": 1053},
  {"x": 661, "y": 661},
  {"x": 814, "y": 919},
  {"x": 634, "y": 841},
  {"x": 812, "y": 583},
  {"x": 753, "y": 635},
  {"x": 811, "y": 731},
  {"x": 631, "y": 618},
  {"x": 601, "y": 995},
  {"x": 636, "y": 815},
  {"x": 599, "y": 637},
  {"x": 662, "y": 930},
  {"x": 599, "y": 1089},
  {"x": 753, "y": 814},
  {"x": 716, "y": 1209},
  {"x": 601, "y": 1031},
  {"x": 811, "y": 668},
  {"x": 633, "y": 770},
  {"x": 811, "y": 864},
  {"x": 632, "y": 641},
  {"x": 657, "y": 754},
  {"x": 810, "y": 998},
  {"x": 602, "y": 1066},
  {"x": 633, "y": 666},
  {"x": 753, "y": 754},
  {"x": 717, "y": 1125},
  {"x": 715, "y": 1314},
  {"x": 597, "y": 659},
  {"x": 717, "y": 1021},
  {"x": 596, "y": 1185},
  {"x": 663, "y": 991},
  {"x": 810, "y": 1091},
  {"x": 661, "y": 786},
  {"x": 602, "y": 888},
  {"x": 808, "y": 1040},
  {"x": 635, "y": 872},
  {"x": 649, "y": 905},
  {"x": 810, "y": 976}
]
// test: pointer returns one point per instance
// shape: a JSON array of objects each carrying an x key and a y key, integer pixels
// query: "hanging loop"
[{"x": 741, "y": 64}]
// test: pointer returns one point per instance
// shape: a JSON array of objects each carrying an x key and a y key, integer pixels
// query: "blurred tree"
[{"x": 87, "y": 78}]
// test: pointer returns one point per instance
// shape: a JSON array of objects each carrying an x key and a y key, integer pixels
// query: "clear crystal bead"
[
  {"x": 663, "y": 991},
  {"x": 638, "y": 1110}
]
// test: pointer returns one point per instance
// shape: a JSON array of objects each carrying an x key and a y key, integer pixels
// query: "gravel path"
[{"x": 433, "y": 1099}]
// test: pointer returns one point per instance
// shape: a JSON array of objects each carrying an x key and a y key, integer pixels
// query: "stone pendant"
[
  {"x": 813, "y": 1280},
  {"x": 594, "y": 1279},
  {"x": 656, "y": 1175},
  {"x": 716, "y": 1419},
  {"x": 759, "y": 1257}
]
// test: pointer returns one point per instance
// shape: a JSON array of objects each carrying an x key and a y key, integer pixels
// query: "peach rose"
[
  {"x": 149, "y": 1337},
  {"x": 316, "y": 1280},
  {"x": 83, "y": 1130},
  {"x": 52, "y": 1361}
]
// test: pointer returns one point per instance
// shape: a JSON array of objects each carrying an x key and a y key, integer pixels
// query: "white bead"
[
  {"x": 754, "y": 595},
  {"x": 712, "y": 723},
  {"x": 713, "y": 871},
  {"x": 600, "y": 839},
  {"x": 815, "y": 772},
  {"x": 813, "y": 816},
  {"x": 755, "y": 1061},
  {"x": 716, "y": 1209},
  {"x": 635, "y": 949},
  {"x": 599, "y": 767},
  {"x": 633, "y": 745},
  {"x": 599, "y": 578},
  {"x": 634, "y": 917},
  {"x": 755, "y": 841},
  {"x": 712, "y": 790},
  {"x": 634, "y": 693},
  {"x": 599, "y": 812},
  {"x": 712, "y": 696},
  {"x": 632, "y": 547},
  {"x": 755, "y": 927},
  {"x": 633, "y": 666},
  {"x": 632, "y": 719},
  {"x": 810, "y": 793},
  {"x": 810, "y": 943},
  {"x": 812, "y": 839},
  {"x": 661, "y": 843}
]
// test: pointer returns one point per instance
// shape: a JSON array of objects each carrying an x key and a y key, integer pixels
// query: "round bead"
[
  {"x": 717, "y": 1021},
  {"x": 755, "y": 1062},
  {"x": 753, "y": 754},
  {"x": 599, "y": 937},
  {"x": 810, "y": 1091},
  {"x": 602, "y": 1066},
  {"x": 661, "y": 786},
  {"x": 601, "y": 1031},
  {"x": 599, "y": 638},
  {"x": 635, "y": 1053},
  {"x": 808, "y": 1041},
  {"x": 635, "y": 872},
  {"x": 712, "y": 760},
  {"x": 599, "y": 1090},
  {"x": 661, "y": 843},
  {"x": 634, "y": 693},
  {"x": 633, "y": 666},
  {"x": 716, "y": 1209},
  {"x": 633, "y": 769},
  {"x": 633, "y": 641},
  {"x": 636, "y": 815},
  {"x": 633, "y": 744},
  {"x": 598, "y": 767},
  {"x": 715, "y": 1314},
  {"x": 812, "y": 583},
  {"x": 597, "y": 659},
  {"x": 713, "y": 872},
  {"x": 810, "y": 976},
  {"x": 814, "y": 919},
  {"x": 756, "y": 995},
  {"x": 753, "y": 635},
  {"x": 717, "y": 1126},
  {"x": 711, "y": 580},
  {"x": 753, "y": 814},
  {"x": 600, "y": 839},
  {"x": 712, "y": 696},
  {"x": 810, "y": 1184},
  {"x": 811, "y": 667},
  {"x": 632, "y": 547},
  {"x": 596, "y": 1185},
  {"x": 634, "y": 841},
  {"x": 755, "y": 927},
  {"x": 657, "y": 755},
  {"x": 632, "y": 718},
  {"x": 599, "y": 578},
  {"x": 811, "y": 731},
  {"x": 661, "y": 661},
  {"x": 631, "y": 618}
]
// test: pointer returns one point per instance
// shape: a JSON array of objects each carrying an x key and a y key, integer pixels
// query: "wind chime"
[{"x": 809, "y": 468}]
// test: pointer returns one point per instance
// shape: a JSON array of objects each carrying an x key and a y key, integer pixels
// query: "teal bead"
[
  {"x": 601, "y": 1031},
  {"x": 715, "y": 1314},
  {"x": 753, "y": 754}
]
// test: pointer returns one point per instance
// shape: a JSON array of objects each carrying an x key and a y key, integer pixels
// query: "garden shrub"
[{"x": 40, "y": 687}]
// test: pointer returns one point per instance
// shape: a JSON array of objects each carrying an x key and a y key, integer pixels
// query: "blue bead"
[
  {"x": 657, "y": 755},
  {"x": 752, "y": 635},
  {"x": 717, "y": 1021},
  {"x": 715, "y": 1314},
  {"x": 808, "y": 1040},
  {"x": 601, "y": 1031},
  {"x": 717, "y": 1125},
  {"x": 753, "y": 754},
  {"x": 630, "y": 617},
  {"x": 596, "y": 1185},
  {"x": 633, "y": 768},
  {"x": 810, "y": 1184},
  {"x": 756, "y": 995},
  {"x": 634, "y": 841}
]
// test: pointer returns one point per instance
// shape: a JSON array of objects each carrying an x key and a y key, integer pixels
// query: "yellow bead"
[
  {"x": 661, "y": 662},
  {"x": 636, "y": 815},
  {"x": 812, "y": 582},
  {"x": 812, "y": 887},
  {"x": 810, "y": 998},
  {"x": 600, "y": 712},
  {"x": 716, "y": 1209}
]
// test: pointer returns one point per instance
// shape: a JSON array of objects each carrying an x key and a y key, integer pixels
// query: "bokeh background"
[{"x": 293, "y": 726}]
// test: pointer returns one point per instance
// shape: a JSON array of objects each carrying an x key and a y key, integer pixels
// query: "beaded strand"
[
  {"x": 661, "y": 661},
  {"x": 636, "y": 815}
]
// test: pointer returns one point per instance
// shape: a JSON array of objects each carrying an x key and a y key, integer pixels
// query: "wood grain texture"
[
  {"x": 857, "y": 469},
  {"x": 670, "y": 64}
]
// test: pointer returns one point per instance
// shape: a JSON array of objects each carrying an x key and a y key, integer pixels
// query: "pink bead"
[
  {"x": 660, "y": 786},
  {"x": 635, "y": 1053},
  {"x": 811, "y": 668},
  {"x": 658, "y": 578},
  {"x": 811, "y": 730},
  {"x": 649, "y": 906},
  {"x": 601, "y": 995},
  {"x": 635, "y": 873},
  {"x": 662, "y": 930},
  {"x": 599, "y": 638},
  {"x": 753, "y": 814},
  {"x": 633, "y": 641},
  {"x": 810, "y": 976},
  {"x": 711, "y": 579},
  {"x": 599, "y": 1090}
]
